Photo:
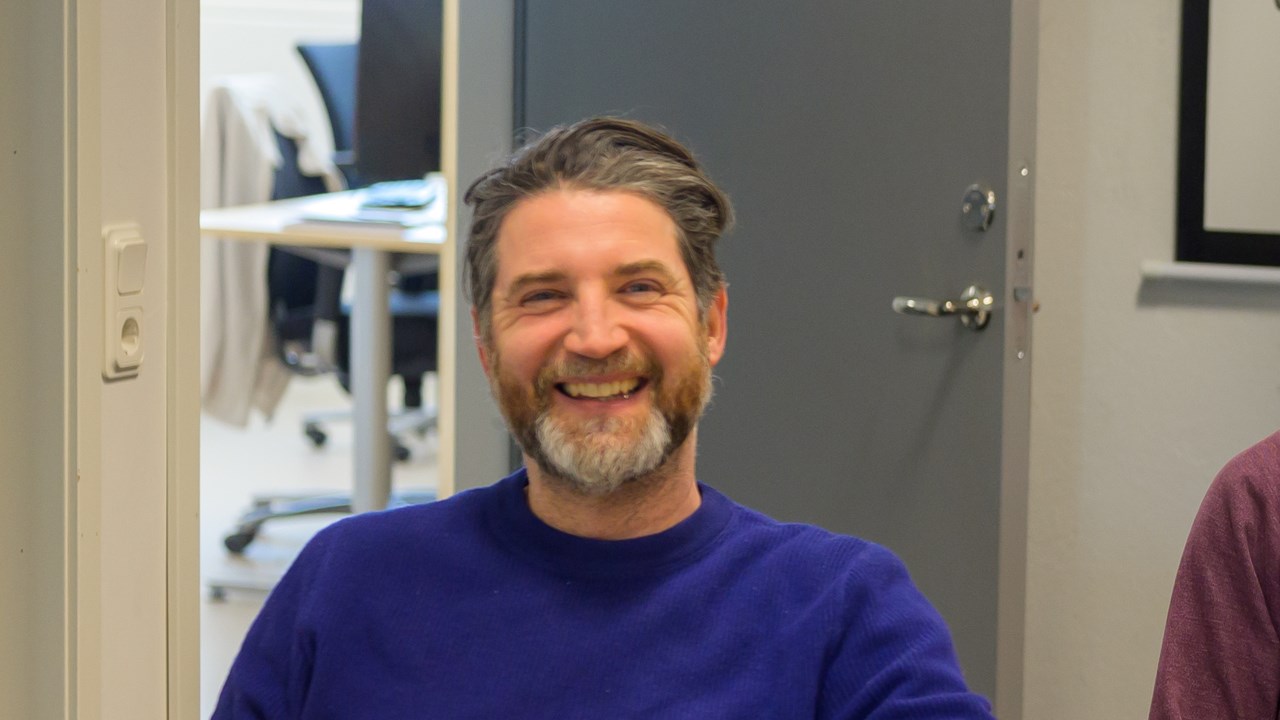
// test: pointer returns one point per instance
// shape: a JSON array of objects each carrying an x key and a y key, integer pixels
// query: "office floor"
[{"x": 237, "y": 464}]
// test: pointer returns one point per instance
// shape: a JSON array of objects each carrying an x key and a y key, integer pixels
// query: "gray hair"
[{"x": 602, "y": 153}]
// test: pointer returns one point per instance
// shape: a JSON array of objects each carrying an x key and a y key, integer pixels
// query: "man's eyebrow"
[
  {"x": 549, "y": 277},
  {"x": 645, "y": 267},
  {"x": 553, "y": 277}
]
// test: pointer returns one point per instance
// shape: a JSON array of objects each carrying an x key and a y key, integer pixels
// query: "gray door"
[{"x": 846, "y": 132}]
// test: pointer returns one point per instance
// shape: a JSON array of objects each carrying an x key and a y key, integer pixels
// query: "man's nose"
[{"x": 596, "y": 332}]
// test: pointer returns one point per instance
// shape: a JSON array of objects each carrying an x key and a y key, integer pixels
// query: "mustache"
[{"x": 622, "y": 362}]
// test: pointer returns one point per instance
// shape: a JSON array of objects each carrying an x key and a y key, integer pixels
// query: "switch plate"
[
  {"x": 131, "y": 266},
  {"x": 125, "y": 272}
]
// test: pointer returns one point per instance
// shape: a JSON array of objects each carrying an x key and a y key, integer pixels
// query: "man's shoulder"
[
  {"x": 803, "y": 547},
  {"x": 852, "y": 578},
  {"x": 1249, "y": 482},
  {"x": 1259, "y": 463}
]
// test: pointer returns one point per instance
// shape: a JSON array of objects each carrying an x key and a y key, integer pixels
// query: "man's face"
[{"x": 596, "y": 352}]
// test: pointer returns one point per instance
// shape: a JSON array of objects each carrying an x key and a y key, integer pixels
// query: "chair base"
[
  {"x": 270, "y": 508},
  {"x": 419, "y": 420}
]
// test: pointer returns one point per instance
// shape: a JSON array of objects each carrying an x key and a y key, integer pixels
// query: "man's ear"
[
  {"x": 481, "y": 348},
  {"x": 717, "y": 324}
]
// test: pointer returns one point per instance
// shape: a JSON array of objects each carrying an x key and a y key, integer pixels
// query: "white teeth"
[{"x": 601, "y": 390}]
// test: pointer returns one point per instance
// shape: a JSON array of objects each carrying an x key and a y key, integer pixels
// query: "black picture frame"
[{"x": 1194, "y": 242}]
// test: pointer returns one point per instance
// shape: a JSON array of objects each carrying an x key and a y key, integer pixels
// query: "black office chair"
[
  {"x": 333, "y": 67},
  {"x": 311, "y": 329},
  {"x": 414, "y": 304}
]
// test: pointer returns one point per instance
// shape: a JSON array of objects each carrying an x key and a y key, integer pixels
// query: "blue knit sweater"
[{"x": 473, "y": 608}]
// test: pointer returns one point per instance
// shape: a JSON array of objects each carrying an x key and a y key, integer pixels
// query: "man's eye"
[
  {"x": 640, "y": 287},
  {"x": 539, "y": 296}
]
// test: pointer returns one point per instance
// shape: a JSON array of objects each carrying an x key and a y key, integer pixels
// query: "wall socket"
[{"x": 125, "y": 275}]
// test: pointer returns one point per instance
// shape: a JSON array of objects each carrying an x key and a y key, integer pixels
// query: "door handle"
[{"x": 974, "y": 307}]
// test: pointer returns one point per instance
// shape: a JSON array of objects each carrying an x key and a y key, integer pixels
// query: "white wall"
[
  {"x": 1140, "y": 391},
  {"x": 259, "y": 36}
]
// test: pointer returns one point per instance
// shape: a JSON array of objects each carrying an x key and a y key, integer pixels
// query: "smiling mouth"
[{"x": 617, "y": 390}]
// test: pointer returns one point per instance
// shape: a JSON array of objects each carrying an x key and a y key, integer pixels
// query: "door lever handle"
[{"x": 974, "y": 307}]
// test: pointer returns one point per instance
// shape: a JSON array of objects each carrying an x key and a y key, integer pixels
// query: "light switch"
[
  {"x": 124, "y": 265},
  {"x": 131, "y": 267}
]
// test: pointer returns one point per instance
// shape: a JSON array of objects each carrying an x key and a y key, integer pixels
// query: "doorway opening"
[{"x": 271, "y": 443}]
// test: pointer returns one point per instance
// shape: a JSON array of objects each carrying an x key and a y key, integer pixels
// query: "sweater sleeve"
[
  {"x": 271, "y": 674},
  {"x": 895, "y": 659},
  {"x": 1221, "y": 654}
]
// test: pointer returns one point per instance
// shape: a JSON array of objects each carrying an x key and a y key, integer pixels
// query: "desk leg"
[{"x": 370, "y": 371}]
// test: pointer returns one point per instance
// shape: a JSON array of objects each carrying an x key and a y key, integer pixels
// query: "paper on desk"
[{"x": 349, "y": 208}]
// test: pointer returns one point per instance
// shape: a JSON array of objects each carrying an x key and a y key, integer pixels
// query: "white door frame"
[
  {"x": 183, "y": 440},
  {"x": 104, "y": 111},
  {"x": 132, "y": 156},
  {"x": 103, "y": 69}
]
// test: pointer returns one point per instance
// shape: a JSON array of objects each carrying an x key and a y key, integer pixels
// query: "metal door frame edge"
[{"x": 1019, "y": 302}]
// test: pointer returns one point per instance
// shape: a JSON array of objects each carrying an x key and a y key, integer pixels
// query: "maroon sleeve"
[{"x": 1221, "y": 652}]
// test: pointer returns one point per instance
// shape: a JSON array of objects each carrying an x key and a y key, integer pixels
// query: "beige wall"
[
  {"x": 1140, "y": 391},
  {"x": 34, "y": 283}
]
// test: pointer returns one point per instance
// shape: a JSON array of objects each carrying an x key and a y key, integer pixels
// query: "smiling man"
[
  {"x": 600, "y": 357},
  {"x": 602, "y": 580}
]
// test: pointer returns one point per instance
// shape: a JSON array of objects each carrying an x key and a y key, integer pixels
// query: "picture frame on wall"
[{"x": 1229, "y": 133}]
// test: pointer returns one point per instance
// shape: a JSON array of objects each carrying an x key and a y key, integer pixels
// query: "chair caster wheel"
[
  {"x": 317, "y": 436},
  {"x": 236, "y": 542}
]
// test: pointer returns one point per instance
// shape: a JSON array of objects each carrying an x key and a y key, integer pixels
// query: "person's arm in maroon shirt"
[{"x": 1221, "y": 652}]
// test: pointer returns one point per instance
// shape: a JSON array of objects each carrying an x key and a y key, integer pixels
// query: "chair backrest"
[
  {"x": 334, "y": 68},
  {"x": 289, "y": 181},
  {"x": 300, "y": 292}
]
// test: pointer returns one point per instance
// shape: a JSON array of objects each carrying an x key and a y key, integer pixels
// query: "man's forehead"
[
  {"x": 614, "y": 231},
  {"x": 561, "y": 208}
]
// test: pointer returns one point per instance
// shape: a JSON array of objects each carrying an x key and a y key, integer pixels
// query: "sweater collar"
[{"x": 524, "y": 534}]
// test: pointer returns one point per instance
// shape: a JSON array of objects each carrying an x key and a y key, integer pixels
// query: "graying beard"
[{"x": 600, "y": 471}]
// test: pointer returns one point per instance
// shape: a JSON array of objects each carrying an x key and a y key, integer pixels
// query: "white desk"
[{"x": 371, "y": 246}]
